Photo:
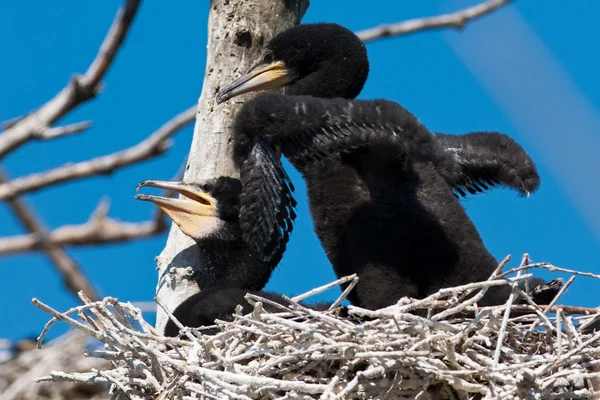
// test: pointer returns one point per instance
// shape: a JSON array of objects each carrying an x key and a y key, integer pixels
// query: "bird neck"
[{"x": 227, "y": 261}]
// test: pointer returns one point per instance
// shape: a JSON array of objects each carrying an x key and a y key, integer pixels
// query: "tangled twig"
[{"x": 459, "y": 351}]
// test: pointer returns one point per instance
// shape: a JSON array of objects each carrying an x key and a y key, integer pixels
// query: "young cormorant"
[
  {"x": 380, "y": 185},
  {"x": 209, "y": 214}
]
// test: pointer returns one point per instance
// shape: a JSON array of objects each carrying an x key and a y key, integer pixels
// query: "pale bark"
[{"x": 237, "y": 33}]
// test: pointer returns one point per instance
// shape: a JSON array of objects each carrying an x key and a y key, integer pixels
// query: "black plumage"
[
  {"x": 381, "y": 187},
  {"x": 488, "y": 159},
  {"x": 593, "y": 328},
  {"x": 203, "y": 308},
  {"x": 266, "y": 203},
  {"x": 209, "y": 213}
]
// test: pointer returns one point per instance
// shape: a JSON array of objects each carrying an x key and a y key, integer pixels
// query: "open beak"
[
  {"x": 260, "y": 77},
  {"x": 186, "y": 212}
]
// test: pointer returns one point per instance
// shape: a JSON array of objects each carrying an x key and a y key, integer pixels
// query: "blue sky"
[{"x": 529, "y": 71}]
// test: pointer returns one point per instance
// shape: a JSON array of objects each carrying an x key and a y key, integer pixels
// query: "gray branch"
[
  {"x": 456, "y": 20},
  {"x": 155, "y": 144},
  {"x": 73, "y": 276},
  {"x": 60, "y": 131},
  {"x": 99, "y": 229},
  {"x": 77, "y": 91}
]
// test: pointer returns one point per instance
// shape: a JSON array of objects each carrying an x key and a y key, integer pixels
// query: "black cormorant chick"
[
  {"x": 209, "y": 214},
  {"x": 380, "y": 185}
]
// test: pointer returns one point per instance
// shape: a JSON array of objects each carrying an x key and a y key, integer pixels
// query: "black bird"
[
  {"x": 209, "y": 214},
  {"x": 381, "y": 187}
]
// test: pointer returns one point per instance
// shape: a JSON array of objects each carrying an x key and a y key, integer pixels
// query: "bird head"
[
  {"x": 320, "y": 60},
  {"x": 202, "y": 206}
]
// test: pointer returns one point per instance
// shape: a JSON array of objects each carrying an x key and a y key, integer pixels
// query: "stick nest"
[
  {"x": 17, "y": 374},
  {"x": 459, "y": 351}
]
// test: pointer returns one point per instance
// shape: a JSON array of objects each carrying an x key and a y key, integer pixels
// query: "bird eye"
[
  {"x": 207, "y": 188},
  {"x": 268, "y": 57}
]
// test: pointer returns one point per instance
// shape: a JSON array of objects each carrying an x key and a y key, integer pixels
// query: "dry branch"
[
  {"x": 303, "y": 354},
  {"x": 60, "y": 131},
  {"x": 37, "y": 125},
  {"x": 99, "y": 229},
  {"x": 456, "y": 20},
  {"x": 155, "y": 144},
  {"x": 17, "y": 376},
  {"x": 80, "y": 88},
  {"x": 72, "y": 275}
]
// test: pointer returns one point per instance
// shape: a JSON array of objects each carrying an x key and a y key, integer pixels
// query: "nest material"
[
  {"x": 17, "y": 374},
  {"x": 458, "y": 352}
]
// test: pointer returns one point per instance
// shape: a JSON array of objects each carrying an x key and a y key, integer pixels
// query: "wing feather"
[
  {"x": 486, "y": 160},
  {"x": 267, "y": 203}
]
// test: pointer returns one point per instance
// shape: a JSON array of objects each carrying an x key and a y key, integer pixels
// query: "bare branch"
[
  {"x": 13, "y": 121},
  {"x": 99, "y": 229},
  {"x": 77, "y": 91},
  {"x": 157, "y": 143},
  {"x": 111, "y": 44},
  {"x": 73, "y": 277},
  {"x": 65, "y": 352},
  {"x": 456, "y": 20},
  {"x": 96, "y": 231},
  {"x": 59, "y": 131}
]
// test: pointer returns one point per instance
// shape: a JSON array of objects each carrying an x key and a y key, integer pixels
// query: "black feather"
[
  {"x": 267, "y": 203},
  {"x": 489, "y": 157}
]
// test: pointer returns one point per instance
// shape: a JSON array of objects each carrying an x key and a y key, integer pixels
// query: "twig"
[
  {"x": 157, "y": 143},
  {"x": 554, "y": 300},
  {"x": 80, "y": 88},
  {"x": 345, "y": 293},
  {"x": 77, "y": 91},
  {"x": 72, "y": 275},
  {"x": 463, "y": 304},
  {"x": 66, "y": 352},
  {"x": 456, "y": 20},
  {"x": 60, "y": 131},
  {"x": 324, "y": 288},
  {"x": 551, "y": 268},
  {"x": 520, "y": 308},
  {"x": 64, "y": 317},
  {"x": 95, "y": 231},
  {"x": 182, "y": 329},
  {"x": 296, "y": 353}
]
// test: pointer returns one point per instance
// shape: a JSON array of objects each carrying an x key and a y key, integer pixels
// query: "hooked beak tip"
[
  {"x": 221, "y": 97},
  {"x": 141, "y": 184}
]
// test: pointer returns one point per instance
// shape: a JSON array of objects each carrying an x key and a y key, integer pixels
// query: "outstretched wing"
[
  {"x": 307, "y": 129},
  {"x": 488, "y": 159},
  {"x": 267, "y": 203}
]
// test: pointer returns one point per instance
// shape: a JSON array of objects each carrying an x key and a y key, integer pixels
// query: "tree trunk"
[{"x": 237, "y": 32}]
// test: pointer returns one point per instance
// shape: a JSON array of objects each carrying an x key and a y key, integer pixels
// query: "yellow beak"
[
  {"x": 261, "y": 77},
  {"x": 187, "y": 212}
]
